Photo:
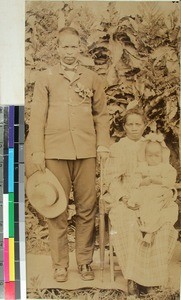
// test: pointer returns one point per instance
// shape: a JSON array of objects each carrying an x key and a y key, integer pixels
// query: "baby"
[{"x": 153, "y": 179}]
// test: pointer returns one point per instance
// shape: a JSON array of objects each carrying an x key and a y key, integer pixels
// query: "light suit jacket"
[{"x": 69, "y": 119}]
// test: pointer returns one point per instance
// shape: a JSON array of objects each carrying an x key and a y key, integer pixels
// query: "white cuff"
[{"x": 102, "y": 149}]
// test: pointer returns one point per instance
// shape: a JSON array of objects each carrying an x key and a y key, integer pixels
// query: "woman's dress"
[{"x": 144, "y": 263}]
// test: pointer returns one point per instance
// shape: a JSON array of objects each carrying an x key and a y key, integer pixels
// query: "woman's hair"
[
  {"x": 67, "y": 29},
  {"x": 134, "y": 111}
]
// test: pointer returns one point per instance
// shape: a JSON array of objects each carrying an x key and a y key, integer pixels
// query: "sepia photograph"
[{"x": 102, "y": 163}]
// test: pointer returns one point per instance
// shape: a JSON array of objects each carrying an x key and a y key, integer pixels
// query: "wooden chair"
[
  {"x": 111, "y": 248},
  {"x": 111, "y": 253}
]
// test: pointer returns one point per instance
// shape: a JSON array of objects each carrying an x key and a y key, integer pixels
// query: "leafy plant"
[{"x": 137, "y": 57}]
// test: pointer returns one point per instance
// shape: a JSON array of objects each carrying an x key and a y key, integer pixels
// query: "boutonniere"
[{"x": 83, "y": 92}]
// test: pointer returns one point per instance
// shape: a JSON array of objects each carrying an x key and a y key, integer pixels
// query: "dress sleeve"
[
  {"x": 169, "y": 175},
  {"x": 117, "y": 189},
  {"x": 115, "y": 165}
]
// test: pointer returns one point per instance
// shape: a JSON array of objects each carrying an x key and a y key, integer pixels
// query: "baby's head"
[{"x": 153, "y": 153}]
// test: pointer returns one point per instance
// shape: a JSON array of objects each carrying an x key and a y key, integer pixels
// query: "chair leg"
[{"x": 111, "y": 255}]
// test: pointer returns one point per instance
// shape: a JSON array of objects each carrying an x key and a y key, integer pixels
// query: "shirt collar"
[
  {"x": 78, "y": 70},
  {"x": 72, "y": 67},
  {"x": 76, "y": 76}
]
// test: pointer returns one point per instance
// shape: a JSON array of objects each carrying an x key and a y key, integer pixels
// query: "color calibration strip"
[{"x": 12, "y": 213}]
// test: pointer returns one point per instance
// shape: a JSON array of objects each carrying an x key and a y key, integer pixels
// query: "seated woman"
[
  {"x": 154, "y": 178},
  {"x": 143, "y": 264}
]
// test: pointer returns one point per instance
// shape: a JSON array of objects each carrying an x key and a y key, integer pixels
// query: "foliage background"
[{"x": 136, "y": 55}]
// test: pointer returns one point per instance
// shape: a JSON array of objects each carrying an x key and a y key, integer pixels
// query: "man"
[{"x": 69, "y": 128}]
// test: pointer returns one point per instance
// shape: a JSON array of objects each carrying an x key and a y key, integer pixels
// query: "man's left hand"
[{"x": 102, "y": 156}]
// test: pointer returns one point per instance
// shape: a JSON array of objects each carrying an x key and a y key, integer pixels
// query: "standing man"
[{"x": 69, "y": 128}]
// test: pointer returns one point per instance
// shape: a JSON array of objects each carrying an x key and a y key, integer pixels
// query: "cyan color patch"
[{"x": 11, "y": 170}]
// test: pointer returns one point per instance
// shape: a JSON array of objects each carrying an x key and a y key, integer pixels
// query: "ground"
[{"x": 39, "y": 273}]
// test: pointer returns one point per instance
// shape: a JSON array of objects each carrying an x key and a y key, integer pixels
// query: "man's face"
[
  {"x": 69, "y": 48},
  {"x": 134, "y": 127}
]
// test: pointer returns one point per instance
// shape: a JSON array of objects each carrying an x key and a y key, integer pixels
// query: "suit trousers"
[{"x": 81, "y": 174}]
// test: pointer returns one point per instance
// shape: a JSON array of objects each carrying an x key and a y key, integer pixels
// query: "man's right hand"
[{"x": 38, "y": 159}]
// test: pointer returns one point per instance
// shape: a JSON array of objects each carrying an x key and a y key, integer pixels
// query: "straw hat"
[{"x": 46, "y": 194}]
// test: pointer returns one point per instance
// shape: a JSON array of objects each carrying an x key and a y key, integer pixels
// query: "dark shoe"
[
  {"x": 61, "y": 274},
  {"x": 86, "y": 272},
  {"x": 142, "y": 290},
  {"x": 133, "y": 288}
]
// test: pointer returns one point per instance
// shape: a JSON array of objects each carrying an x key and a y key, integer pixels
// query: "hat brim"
[{"x": 47, "y": 211}]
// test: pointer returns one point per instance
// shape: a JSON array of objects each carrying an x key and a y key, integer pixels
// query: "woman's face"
[{"x": 134, "y": 127}]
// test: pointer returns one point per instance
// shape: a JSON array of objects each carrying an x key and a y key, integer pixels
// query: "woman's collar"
[{"x": 135, "y": 142}]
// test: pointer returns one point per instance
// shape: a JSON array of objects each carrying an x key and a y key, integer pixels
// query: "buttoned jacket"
[{"x": 69, "y": 119}]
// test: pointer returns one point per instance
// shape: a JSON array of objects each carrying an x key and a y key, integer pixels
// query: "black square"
[
  {"x": 16, "y": 114},
  {"x": 16, "y": 134}
]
